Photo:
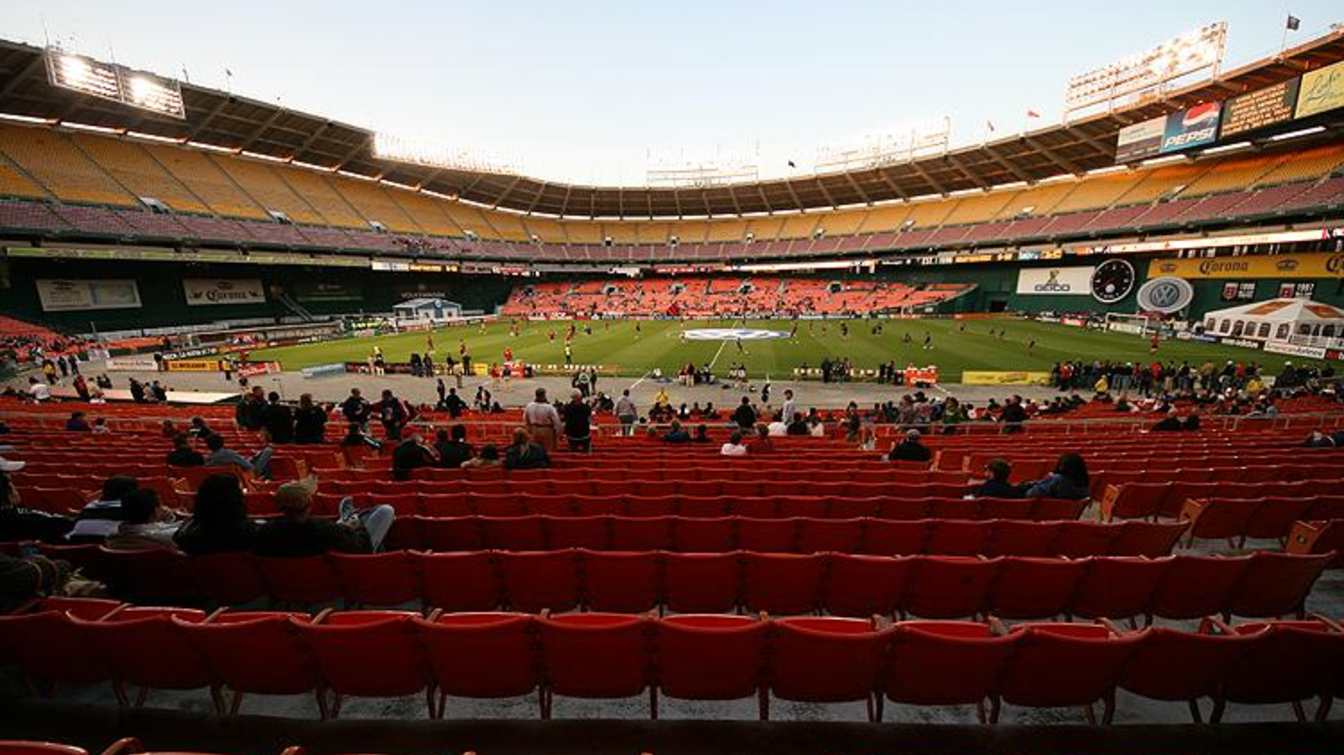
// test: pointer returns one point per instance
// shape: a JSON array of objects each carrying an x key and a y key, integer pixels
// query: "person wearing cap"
[
  {"x": 18, "y": 523},
  {"x": 219, "y": 456},
  {"x": 23, "y": 579},
  {"x": 909, "y": 449},
  {"x": 543, "y": 421},
  {"x": 296, "y": 534}
]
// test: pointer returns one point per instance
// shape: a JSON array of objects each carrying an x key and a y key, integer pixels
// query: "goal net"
[{"x": 1138, "y": 325}]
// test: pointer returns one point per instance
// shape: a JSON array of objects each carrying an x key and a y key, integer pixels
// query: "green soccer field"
[{"x": 626, "y": 351}]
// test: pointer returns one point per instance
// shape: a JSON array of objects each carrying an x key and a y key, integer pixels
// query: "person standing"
[
  {"x": 745, "y": 416},
  {"x": 392, "y": 413},
  {"x": 626, "y": 413},
  {"x": 542, "y": 420},
  {"x": 789, "y": 408},
  {"x": 279, "y": 420},
  {"x": 578, "y": 423},
  {"x": 310, "y": 421},
  {"x": 356, "y": 408}
]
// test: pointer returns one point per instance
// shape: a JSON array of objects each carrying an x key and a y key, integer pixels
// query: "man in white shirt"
[
  {"x": 790, "y": 408},
  {"x": 734, "y": 446},
  {"x": 542, "y": 420},
  {"x": 626, "y": 412},
  {"x": 779, "y": 428},
  {"x": 38, "y": 390}
]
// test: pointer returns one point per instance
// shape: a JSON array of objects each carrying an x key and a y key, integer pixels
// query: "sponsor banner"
[
  {"x": 1323, "y": 265},
  {"x": 1192, "y": 127},
  {"x": 1242, "y": 342},
  {"x": 66, "y": 295},
  {"x": 1263, "y": 107},
  {"x": 1292, "y": 349},
  {"x": 1125, "y": 327},
  {"x": 1166, "y": 295},
  {"x": 1055, "y": 281},
  {"x": 1335, "y": 354},
  {"x": 1321, "y": 90},
  {"x": 1140, "y": 140},
  {"x": 978, "y": 377},
  {"x": 132, "y": 364},
  {"x": 319, "y": 291},
  {"x": 915, "y": 375},
  {"x": 214, "y": 291},
  {"x": 1186, "y": 335},
  {"x": 323, "y": 369},
  {"x": 252, "y": 369},
  {"x": 192, "y": 365},
  {"x": 199, "y": 351}
]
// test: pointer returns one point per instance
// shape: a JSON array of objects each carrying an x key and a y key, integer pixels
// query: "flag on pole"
[
  {"x": 1033, "y": 114},
  {"x": 1294, "y": 22},
  {"x": 990, "y": 125},
  {"x": 791, "y": 165}
]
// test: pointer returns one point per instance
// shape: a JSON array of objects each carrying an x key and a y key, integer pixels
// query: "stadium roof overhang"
[{"x": 231, "y": 121}]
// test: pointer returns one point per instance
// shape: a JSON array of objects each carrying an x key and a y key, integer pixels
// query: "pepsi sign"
[{"x": 1192, "y": 127}]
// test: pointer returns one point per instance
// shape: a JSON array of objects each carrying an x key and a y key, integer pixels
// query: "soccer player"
[
  {"x": 1031, "y": 345},
  {"x": 1152, "y": 344},
  {"x": 928, "y": 341},
  {"x": 569, "y": 354}
]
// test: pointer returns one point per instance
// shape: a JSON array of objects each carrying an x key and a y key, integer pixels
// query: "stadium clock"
[{"x": 1112, "y": 281}]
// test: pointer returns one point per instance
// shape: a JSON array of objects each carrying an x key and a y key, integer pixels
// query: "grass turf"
[{"x": 625, "y": 351}]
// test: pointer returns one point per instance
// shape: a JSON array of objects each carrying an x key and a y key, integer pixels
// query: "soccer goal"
[{"x": 1139, "y": 325}]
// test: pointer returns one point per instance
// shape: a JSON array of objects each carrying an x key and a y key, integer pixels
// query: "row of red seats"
[
  {"x": 959, "y": 537},
  {"x": 1315, "y": 537},
  {"x": 1235, "y": 519},
  {"x": 1176, "y": 587},
  {"x": 761, "y": 507},
  {"x": 382, "y": 654},
  {"x": 1149, "y": 500},
  {"x": 124, "y": 746}
]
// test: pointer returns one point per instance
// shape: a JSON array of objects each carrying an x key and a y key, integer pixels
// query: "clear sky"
[{"x": 588, "y": 91}]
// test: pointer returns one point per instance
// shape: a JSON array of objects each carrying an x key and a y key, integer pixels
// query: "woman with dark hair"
[
  {"x": 219, "y": 522},
  {"x": 18, "y": 523},
  {"x": 1069, "y": 480}
]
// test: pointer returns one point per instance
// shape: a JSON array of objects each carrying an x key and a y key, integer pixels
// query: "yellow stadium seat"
[
  {"x": 131, "y": 165},
  {"x": 1306, "y": 165},
  {"x": 266, "y": 188},
  {"x": 1232, "y": 174},
  {"x": 930, "y": 213},
  {"x": 842, "y": 223},
  {"x": 799, "y": 226},
  {"x": 1038, "y": 200},
  {"x": 1097, "y": 192},
  {"x": 373, "y": 202},
  {"x": 549, "y": 230},
  {"x": 54, "y": 161},
  {"x": 1160, "y": 181},
  {"x": 620, "y": 233},
  {"x": 653, "y": 232},
  {"x": 427, "y": 212},
  {"x": 886, "y": 218},
  {"x": 506, "y": 225},
  {"x": 691, "y": 231},
  {"x": 205, "y": 180},
  {"x": 977, "y": 208},
  {"x": 317, "y": 191},
  {"x": 726, "y": 230},
  {"x": 15, "y": 184},
  {"x": 583, "y": 232},
  {"x": 765, "y": 229}
]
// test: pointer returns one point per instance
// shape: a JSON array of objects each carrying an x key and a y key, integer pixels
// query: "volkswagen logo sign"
[{"x": 1166, "y": 295}]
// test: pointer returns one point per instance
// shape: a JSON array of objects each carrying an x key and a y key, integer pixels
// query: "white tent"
[{"x": 1277, "y": 320}]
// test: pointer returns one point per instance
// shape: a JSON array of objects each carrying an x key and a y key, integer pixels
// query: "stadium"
[{"x": 317, "y": 439}]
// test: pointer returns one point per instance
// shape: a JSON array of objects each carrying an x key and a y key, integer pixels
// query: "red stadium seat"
[
  {"x": 888, "y": 537},
  {"x": 641, "y": 533},
  {"x": 1289, "y": 661},
  {"x": 48, "y": 646},
  {"x": 577, "y": 532},
  {"x": 369, "y": 654},
  {"x": 863, "y": 586},
  {"x": 452, "y": 533},
  {"x": 481, "y": 655},
  {"x": 157, "y": 576},
  {"x": 20, "y": 747},
  {"x": 827, "y": 660},
  {"x": 540, "y": 580},
  {"x": 227, "y": 578},
  {"x": 1056, "y": 665},
  {"x": 1014, "y": 537},
  {"x": 1132, "y": 500},
  {"x": 1150, "y": 539},
  {"x": 702, "y": 582},
  {"x": 620, "y": 581},
  {"x": 1181, "y": 666},
  {"x": 767, "y": 535},
  {"x": 143, "y": 647},
  {"x": 825, "y": 535},
  {"x": 1218, "y": 518},
  {"x": 459, "y": 581},
  {"x": 694, "y": 535},
  {"x": 708, "y": 657},
  {"x": 781, "y": 583},
  {"x": 513, "y": 533},
  {"x": 948, "y": 587},
  {"x": 378, "y": 579},
  {"x": 1118, "y": 587},
  {"x": 945, "y": 663},
  {"x": 571, "y": 643},
  {"x": 1197, "y": 586},
  {"x": 254, "y": 652},
  {"x": 1276, "y": 584},
  {"x": 1034, "y": 588},
  {"x": 299, "y": 581},
  {"x": 957, "y": 537}
]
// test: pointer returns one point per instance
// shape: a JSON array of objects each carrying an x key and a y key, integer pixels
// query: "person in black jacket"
[
  {"x": 295, "y": 534},
  {"x": 910, "y": 449},
  {"x": 744, "y": 415},
  {"x": 183, "y": 455},
  {"x": 1013, "y": 415},
  {"x": 524, "y": 454},
  {"x": 411, "y": 454},
  {"x": 17, "y": 523},
  {"x": 279, "y": 420},
  {"x": 218, "y": 522},
  {"x": 251, "y": 411},
  {"x": 453, "y": 448},
  {"x": 997, "y": 485},
  {"x": 356, "y": 408},
  {"x": 310, "y": 421}
]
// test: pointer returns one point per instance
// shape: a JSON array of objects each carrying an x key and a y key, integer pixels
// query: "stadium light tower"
[
  {"x": 1153, "y": 70},
  {"x": 114, "y": 82}
]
